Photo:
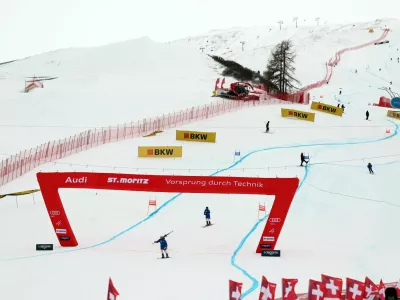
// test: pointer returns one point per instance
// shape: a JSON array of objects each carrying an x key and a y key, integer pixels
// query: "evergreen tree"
[{"x": 280, "y": 68}]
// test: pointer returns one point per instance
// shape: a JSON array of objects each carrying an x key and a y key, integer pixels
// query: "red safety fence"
[
  {"x": 333, "y": 62},
  {"x": 26, "y": 160}
]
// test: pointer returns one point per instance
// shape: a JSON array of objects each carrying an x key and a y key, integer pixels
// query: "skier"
[
  {"x": 163, "y": 245},
  {"x": 302, "y": 159},
  {"x": 367, "y": 115},
  {"x": 343, "y": 107},
  {"x": 267, "y": 127},
  {"x": 207, "y": 213},
  {"x": 370, "y": 168},
  {"x": 340, "y": 92}
]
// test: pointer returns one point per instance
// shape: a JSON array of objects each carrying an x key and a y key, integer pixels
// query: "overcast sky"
[{"x": 29, "y": 27}]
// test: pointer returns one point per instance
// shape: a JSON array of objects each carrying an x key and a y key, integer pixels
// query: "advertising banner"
[
  {"x": 393, "y": 114},
  {"x": 196, "y": 136},
  {"x": 325, "y": 108},
  {"x": 160, "y": 151},
  {"x": 298, "y": 114}
]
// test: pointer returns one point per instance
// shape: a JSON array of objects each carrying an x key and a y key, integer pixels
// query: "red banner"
[{"x": 283, "y": 189}]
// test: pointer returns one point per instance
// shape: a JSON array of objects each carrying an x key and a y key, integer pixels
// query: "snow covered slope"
[
  {"x": 98, "y": 87},
  {"x": 341, "y": 223},
  {"x": 314, "y": 47}
]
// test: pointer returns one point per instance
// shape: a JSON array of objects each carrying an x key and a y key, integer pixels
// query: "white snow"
[{"x": 343, "y": 221}]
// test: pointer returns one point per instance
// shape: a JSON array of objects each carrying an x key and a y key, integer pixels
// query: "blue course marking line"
[
  {"x": 215, "y": 173},
  {"x": 243, "y": 241}
]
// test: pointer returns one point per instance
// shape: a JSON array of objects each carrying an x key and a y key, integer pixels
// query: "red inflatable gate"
[{"x": 283, "y": 189}]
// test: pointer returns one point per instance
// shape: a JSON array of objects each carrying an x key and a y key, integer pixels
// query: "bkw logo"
[
  {"x": 198, "y": 136},
  {"x": 301, "y": 115},
  {"x": 161, "y": 152},
  {"x": 326, "y": 108}
]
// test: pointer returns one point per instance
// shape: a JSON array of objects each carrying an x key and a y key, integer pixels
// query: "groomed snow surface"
[{"x": 343, "y": 221}]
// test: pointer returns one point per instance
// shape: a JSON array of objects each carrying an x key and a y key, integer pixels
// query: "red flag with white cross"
[
  {"x": 316, "y": 290},
  {"x": 112, "y": 291},
  {"x": 381, "y": 290},
  {"x": 333, "y": 286},
  {"x": 267, "y": 291},
  {"x": 371, "y": 289},
  {"x": 235, "y": 290},
  {"x": 288, "y": 289},
  {"x": 354, "y": 289},
  {"x": 398, "y": 288}
]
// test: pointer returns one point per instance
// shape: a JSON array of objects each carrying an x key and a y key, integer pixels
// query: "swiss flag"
[
  {"x": 288, "y": 289},
  {"x": 316, "y": 290},
  {"x": 371, "y": 289},
  {"x": 381, "y": 290},
  {"x": 267, "y": 291},
  {"x": 354, "y": 289},
  {"x": 398, "y": 288},
  {"x": 112, "y": 291},
  {"x": 235, "y": 290},
  {"x": 333, "y": 286}
]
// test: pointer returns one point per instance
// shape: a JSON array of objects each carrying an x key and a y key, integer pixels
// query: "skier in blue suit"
[
  {"x": 163, "y": 245},
  {"x": 207, "y": 213}
]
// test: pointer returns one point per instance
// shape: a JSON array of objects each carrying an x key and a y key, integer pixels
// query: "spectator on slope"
[
  {"x": 207, "y": 213},
  {"x": 338, "y": 105},
  {"x": 370, "y": 168},
  {"x": 343, "y": 107},
  {"x": 340, "y": 92},
  {"x": 267, "y": 127},
  {"x": 391, "y": 293},
  {"x": 367, "y": 115}
]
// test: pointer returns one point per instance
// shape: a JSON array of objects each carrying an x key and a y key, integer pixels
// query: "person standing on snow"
[
  {"x": 267, "y": 127},
  {"x": 343, "y": 107},
  {"x": 163, "y": 245},
  {"x": 370, "y": 168},
  {"x": 367, "y": 115},
  {"x": 302, "y": 158},
  {"x": 207, "y": 213}
]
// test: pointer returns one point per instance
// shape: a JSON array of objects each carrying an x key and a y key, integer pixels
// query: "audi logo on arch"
[
  {"x": 275, "y": 220},
  {"x": 54, "y": 213}
]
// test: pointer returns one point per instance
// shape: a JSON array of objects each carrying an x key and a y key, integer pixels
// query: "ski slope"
[{"x": 342, "y": 220}]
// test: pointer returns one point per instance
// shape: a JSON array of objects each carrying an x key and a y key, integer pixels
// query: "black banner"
[
  {"x": 271, "y": 253},
  {"x": 44, "y": 247}
]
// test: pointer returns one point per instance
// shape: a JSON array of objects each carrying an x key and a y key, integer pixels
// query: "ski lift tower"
[{"x": 295, "y": 20}]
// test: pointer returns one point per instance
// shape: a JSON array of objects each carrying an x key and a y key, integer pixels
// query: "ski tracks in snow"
[{"x": 255, "y": 283}]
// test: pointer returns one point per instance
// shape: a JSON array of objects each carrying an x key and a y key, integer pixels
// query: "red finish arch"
[{"x": 284, "y": 190}]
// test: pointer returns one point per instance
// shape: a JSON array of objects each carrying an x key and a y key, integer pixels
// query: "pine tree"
[{"x": 280, "y": 68}]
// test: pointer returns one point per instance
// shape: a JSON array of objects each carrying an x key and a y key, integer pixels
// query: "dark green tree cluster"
[{"x": 279, "y": 75}]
